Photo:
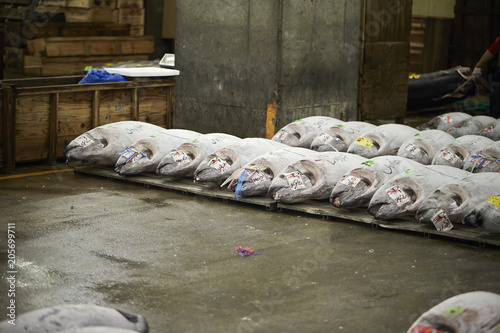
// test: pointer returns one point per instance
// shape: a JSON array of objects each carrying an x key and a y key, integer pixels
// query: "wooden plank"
[
  {"x": 90, "y": 46},
  {"x": 96, "y": 97},
  {"x": 319, "y": 208},
  {"x": 52, "y": 66},
  {"x": 115, "y": 105},
  {"x": 387, "y": 21},
  {"x": 100, "y": 15},
  {"x": 183, "y": 185},
  {"x": 131, "y": 16},
  {"x": 130, "y": 4}
]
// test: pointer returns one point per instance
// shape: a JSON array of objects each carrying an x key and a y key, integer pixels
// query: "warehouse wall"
[
  {"x": 235, "y": 57},
  {"x": 433, "y": 8}
]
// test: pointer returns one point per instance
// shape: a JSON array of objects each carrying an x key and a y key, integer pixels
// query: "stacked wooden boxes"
[{"x": 95, "y": 33}]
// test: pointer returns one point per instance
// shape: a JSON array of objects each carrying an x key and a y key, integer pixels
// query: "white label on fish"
[
  {"x": 218, "y": 164},
  {"x": 350, "y": 181},
  {"x": 325, "y": 138},
  {"x": 449, "y": 156},
  {"x": 257, "y": 178},
  {"x": 132, "y": 156},
  {"x": 282, "y": 135},
  {"x": 180, "y": 157},
  {"x": 446, "y": 118},
  {"x": 487, "y": 129},
  {"x": 295, "y": 180},
  {"x": 398, "y": 195},
  {"x": 479, "y": 161},
  {"x": 412, "y": 148},
  {"x": 441, "y": 221},
  {"x": 84, "y": 141}
]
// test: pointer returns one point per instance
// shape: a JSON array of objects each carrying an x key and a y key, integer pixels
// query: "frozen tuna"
[
  {"x": 486, "y": 159},
  {"x": 103, "y": 145},
  {"x": 486, "y": 215},
  {"x": 66, "y": 318},
  {"x": 302, "y": 132},
  {"x": 423, "y": 146},
  {"x": 340, "y": 137},
  {"x": 444, "y": 121},
  {"x": 256, "y": 176},
  {"x": 470, "y": 126},
  {"x": 491, "y": 131},
  {"x": 477, "y": 311},
  {"x": 357, "y": 186},
  {"x": 220, "y": 164},
  {"x": 145, "y": 154},
  {"x": 312, "y": 178},
  {"x": 403, "y": 194},
  {"x": 459, "y": 150},
  {"x": 450, "y": 203},
  {"x": 382, "y": 140},
  {"x": 184, "y": 159}
]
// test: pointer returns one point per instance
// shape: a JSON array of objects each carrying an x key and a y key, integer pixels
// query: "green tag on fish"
[
  {"x": 340, "y": 126},
  {"x": 369, "y": 163},
  {"x": 454, "y": 311},
  {"x": 194, "y": 140},
  {"x": 410, "y": 171},
  {"x": 154, "y": 135}
]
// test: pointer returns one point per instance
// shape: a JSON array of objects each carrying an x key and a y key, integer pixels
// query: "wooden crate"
[
  {"x": 131, "y": 16},
  {"x": 107, "y": 4},
  {"x": 41, "y": 116},
  {"x": 130, "y": 4},
  {"x": 53, "y": 66},
  {"x": 90, "y": 46},
  {"x": 91, "y": 15},
  {"x": 14, "y": 59}
]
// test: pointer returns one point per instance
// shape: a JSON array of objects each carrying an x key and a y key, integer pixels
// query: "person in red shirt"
[{"x": 489, "y": 54}]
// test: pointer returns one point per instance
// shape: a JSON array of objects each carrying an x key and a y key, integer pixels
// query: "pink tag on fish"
[
  {"x": 446, "y": 118},
  {"x": 441, "y": 221}
]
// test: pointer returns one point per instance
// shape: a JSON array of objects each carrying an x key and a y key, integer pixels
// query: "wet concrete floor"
[{"x": 171, "y": 258}]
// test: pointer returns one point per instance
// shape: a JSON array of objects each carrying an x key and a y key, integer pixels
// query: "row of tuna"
[
  {"x": 368, "y": 168},
  {"x": 476, "y": 311}
]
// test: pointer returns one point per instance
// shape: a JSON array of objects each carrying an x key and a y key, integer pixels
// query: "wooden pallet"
[
  {"x": 90, "y": 46},
  {"x": 317, "y": 208}
]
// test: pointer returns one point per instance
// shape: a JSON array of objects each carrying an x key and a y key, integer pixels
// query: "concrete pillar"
[{"x": 236, "y": 57}]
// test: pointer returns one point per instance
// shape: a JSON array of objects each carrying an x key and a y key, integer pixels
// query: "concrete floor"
[{"x": 171, "y": 257}]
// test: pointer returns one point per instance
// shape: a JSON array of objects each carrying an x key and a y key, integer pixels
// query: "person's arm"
[{"x": 487, "y": 56}]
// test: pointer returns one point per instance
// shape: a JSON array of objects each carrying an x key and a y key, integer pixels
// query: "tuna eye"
[
  {"x": 376, "y": 145},
  {"x": 269, "y": 172},
  {"x": 458, "y": 199},
  {"x": 311, "y": 178},
  {"x": 366, "y": 181},
  {"x": 104, "y": 142},
  {"x": 147, "y": 152},
  {"x": 411, "y": 194},
  {"x": 297, "y": 135}
]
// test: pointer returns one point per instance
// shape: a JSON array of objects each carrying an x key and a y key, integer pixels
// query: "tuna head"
[
  {"x": 217, "y": 166},
  {"x": 91, "y": 148},
  {"x": 452, "y": 155},
  {"x": 180, "y": 162},
  {"x": 484, "y": 160},
  {"x": 448, "y": 202},
  {"x": 486, "y": 215},
  {"x": 396, "y": 198},
  {"x": 418, "y": 150},
  {"x": 137, "y": 158},
  {"x": 292, "y": 135},
  {"x": 333, "y": 139},
  {"x": 355, "y": 189},
  {"x": 296, "y": 183},
  {"x": 250, "y": 180}
]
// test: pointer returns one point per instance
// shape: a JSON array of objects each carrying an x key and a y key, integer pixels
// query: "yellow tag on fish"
[
  {"x": 364, "y": 142},
  {"x": 495, "y": 199},
  {"x": 455, "y": 311},
  {"x": 414, "y": 76}
]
